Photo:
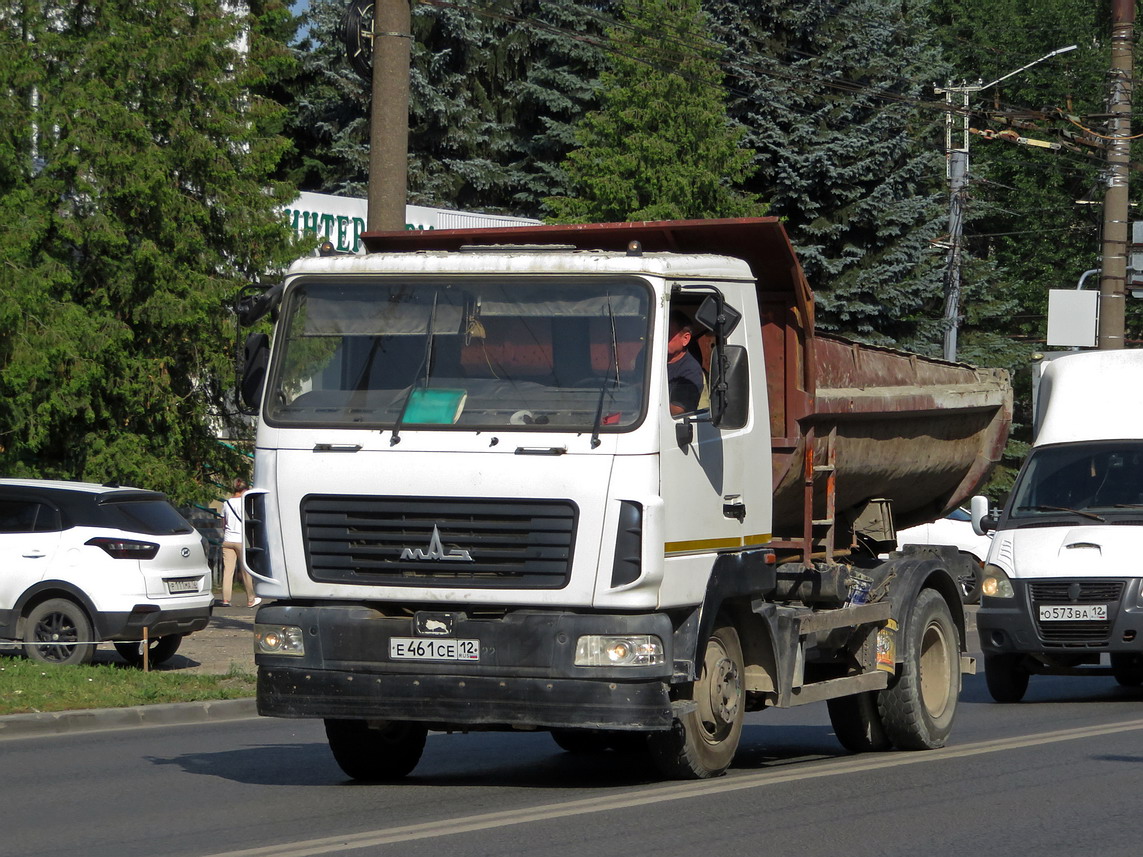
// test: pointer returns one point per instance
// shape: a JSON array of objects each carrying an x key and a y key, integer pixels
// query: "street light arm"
[{"x": 1056, "y": 52}]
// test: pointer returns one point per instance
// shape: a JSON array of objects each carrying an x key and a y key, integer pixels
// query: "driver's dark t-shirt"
[{"x": 685, "y": 382}]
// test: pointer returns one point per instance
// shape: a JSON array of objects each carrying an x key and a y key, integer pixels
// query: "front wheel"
[
  {"x": 1006, "y": 677},
  {"x": 703, "y": 741},
  {"x": 1127, "y": 669},
  {"x": 918, "y": 710},
  {"x": 58, "y": 632},
  {"x": 160, "y": 649},
  {"x": 386, "y": 750}
]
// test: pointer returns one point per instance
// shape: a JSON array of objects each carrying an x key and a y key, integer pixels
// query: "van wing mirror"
[
  {"x": 255, "y": 361},
  {"x": 983, "y": 521}
]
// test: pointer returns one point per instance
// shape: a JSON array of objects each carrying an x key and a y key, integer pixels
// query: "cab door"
[{"x": 713, "y": 481}]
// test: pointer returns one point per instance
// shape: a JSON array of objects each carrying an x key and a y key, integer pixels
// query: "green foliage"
[
  {"x": 135, "y": 197},
  {"x": 848, "y": 155},
  {"x": 660, "y": 146},
  {"x": 494, "y": 90}
]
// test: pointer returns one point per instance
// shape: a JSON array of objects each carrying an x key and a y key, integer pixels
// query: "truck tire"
[
  {"x": 58, "y": 632},
  {"x": 387, "y": 751},
  {"x": 1006, "y": 677},
  {"x": 857, "y": 723},
  {"x": 581, "y": 742},
  {"x": 591, "y": 742},
  {"x": 702, "y": 742},
  {"x": 918, "y": 710}
]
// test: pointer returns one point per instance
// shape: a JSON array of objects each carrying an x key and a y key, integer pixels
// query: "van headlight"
[
  {"x": 279, "y": 640},
  {"x": 632, "y": 650},
  {"x": 995, "y": 583}
]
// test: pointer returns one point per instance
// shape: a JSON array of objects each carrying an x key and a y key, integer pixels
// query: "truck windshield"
[
  {"x": 522, "y": 354},
  {"x": 1092, "y": 480}
]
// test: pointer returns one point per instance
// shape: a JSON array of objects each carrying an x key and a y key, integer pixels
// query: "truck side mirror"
[
  {"x": 255, "y": 360},
  {"x": 729, "y": 387},
  {"x": 718, "y": 316},
  {"x": 982, "y": 520}
]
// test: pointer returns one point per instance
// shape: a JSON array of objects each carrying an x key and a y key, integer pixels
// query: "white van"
[{"x": 1061, "y": 587}]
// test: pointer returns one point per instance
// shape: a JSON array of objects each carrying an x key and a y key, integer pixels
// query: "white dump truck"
[
  {"x": 1061, "y": 586},
  {"x": 483, "y": 501}
]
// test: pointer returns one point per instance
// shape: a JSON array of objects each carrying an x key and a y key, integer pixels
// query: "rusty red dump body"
[{"x": 876, "y": 422}]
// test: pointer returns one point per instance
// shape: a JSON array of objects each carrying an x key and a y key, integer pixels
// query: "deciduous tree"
[{"x": 136, "y": 152}]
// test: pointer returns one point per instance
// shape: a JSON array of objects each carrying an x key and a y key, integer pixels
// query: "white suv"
[{"x": 83, "y": 563}]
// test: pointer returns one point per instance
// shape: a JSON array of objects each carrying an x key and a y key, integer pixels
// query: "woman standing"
[{"x": 232, "y": 545}]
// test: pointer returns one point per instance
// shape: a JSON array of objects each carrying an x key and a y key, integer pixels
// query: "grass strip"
[{"x": 27, "y": 687}]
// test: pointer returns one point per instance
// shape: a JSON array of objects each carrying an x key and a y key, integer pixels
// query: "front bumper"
[
  {"x": 525, "y": 676},
  {"x": 1012, "y": 626}
]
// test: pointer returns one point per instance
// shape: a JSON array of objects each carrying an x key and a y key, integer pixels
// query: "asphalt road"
[{"x": 1057, "y": 775}]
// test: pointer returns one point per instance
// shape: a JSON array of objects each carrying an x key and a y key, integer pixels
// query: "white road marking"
[{"x": 670, "y": 792}]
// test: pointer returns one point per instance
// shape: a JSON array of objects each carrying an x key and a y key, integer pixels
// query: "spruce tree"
[
  {"x": 136, "y": 150},
  {"x": 494, "y": 89},
  {"x": 660, "y": 146},
  {"x": 832, "y": 95}
]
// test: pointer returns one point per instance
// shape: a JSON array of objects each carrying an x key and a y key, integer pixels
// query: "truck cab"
[{"x": 474, "y": 506}]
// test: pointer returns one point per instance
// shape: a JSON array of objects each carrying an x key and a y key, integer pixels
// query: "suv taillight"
[{"x": 124, "y": 548}]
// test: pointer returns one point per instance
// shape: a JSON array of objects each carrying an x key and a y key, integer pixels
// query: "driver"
[{"x": 684, "y": 373}]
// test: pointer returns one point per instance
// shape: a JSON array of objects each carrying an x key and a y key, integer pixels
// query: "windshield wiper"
[
  {"x": 598, "y": 422},
  {"x": 396, "y": 439},
  {"x": 1080, "y": 512}
]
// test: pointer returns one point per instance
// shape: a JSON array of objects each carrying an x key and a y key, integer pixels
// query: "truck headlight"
[
  {"x": 633, "y": 650},
  {"x": 279, "y": 640},
  {"x": 996, "y": 583}
]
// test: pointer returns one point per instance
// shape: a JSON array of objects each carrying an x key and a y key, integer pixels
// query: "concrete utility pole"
[
  {"x": 958, "y": 188},
  {"x": 958, "y": 184},
  {"x": 389, "y": 115},
  {"x": 1113, "y": 280}
]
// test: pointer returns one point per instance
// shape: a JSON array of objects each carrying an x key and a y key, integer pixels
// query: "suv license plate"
[
  {"x": 433, "y": 649},
  {"x": 182, "y": 584},
  {"x": 1073, "y": 613}
]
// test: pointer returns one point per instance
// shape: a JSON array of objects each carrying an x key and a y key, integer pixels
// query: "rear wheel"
[
  {"x": 581, "y": 742},
  {"x": 160, "y": 649},
  {"x": 589, "y": 742},
  {"x": 702, "y": 742},
  {"x": 58, "y": 632},
  {"x": 857, "y": 723},
  {"x": 1006, "y": 677},
  {"x": 918, "y": 710},
  {"x": 386, "y": 750},
  {"x": 970, "y": 580}
]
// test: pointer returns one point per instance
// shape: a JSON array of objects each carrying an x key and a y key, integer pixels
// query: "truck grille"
[
  {"x": 1077, "y": 634},
  {"x": 424, "y": 541}
]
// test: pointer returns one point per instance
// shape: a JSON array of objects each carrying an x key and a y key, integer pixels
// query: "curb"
[{"x": 14, "y": 726}]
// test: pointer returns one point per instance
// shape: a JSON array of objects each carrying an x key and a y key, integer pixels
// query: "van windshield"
[
  {"x": 1092, "y": 480},
  {"x": 519, "y": 354}
]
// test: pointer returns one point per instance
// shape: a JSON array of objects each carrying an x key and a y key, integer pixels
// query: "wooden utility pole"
[
  {"x": 1113, "y": 279},
  {"x": 389, "y": 115}
]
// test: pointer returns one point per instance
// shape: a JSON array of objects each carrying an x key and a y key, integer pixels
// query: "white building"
[{"x": 341, "y": 219}]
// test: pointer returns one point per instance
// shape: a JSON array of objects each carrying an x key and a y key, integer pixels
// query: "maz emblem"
[{"x": 436, "y": 551}]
